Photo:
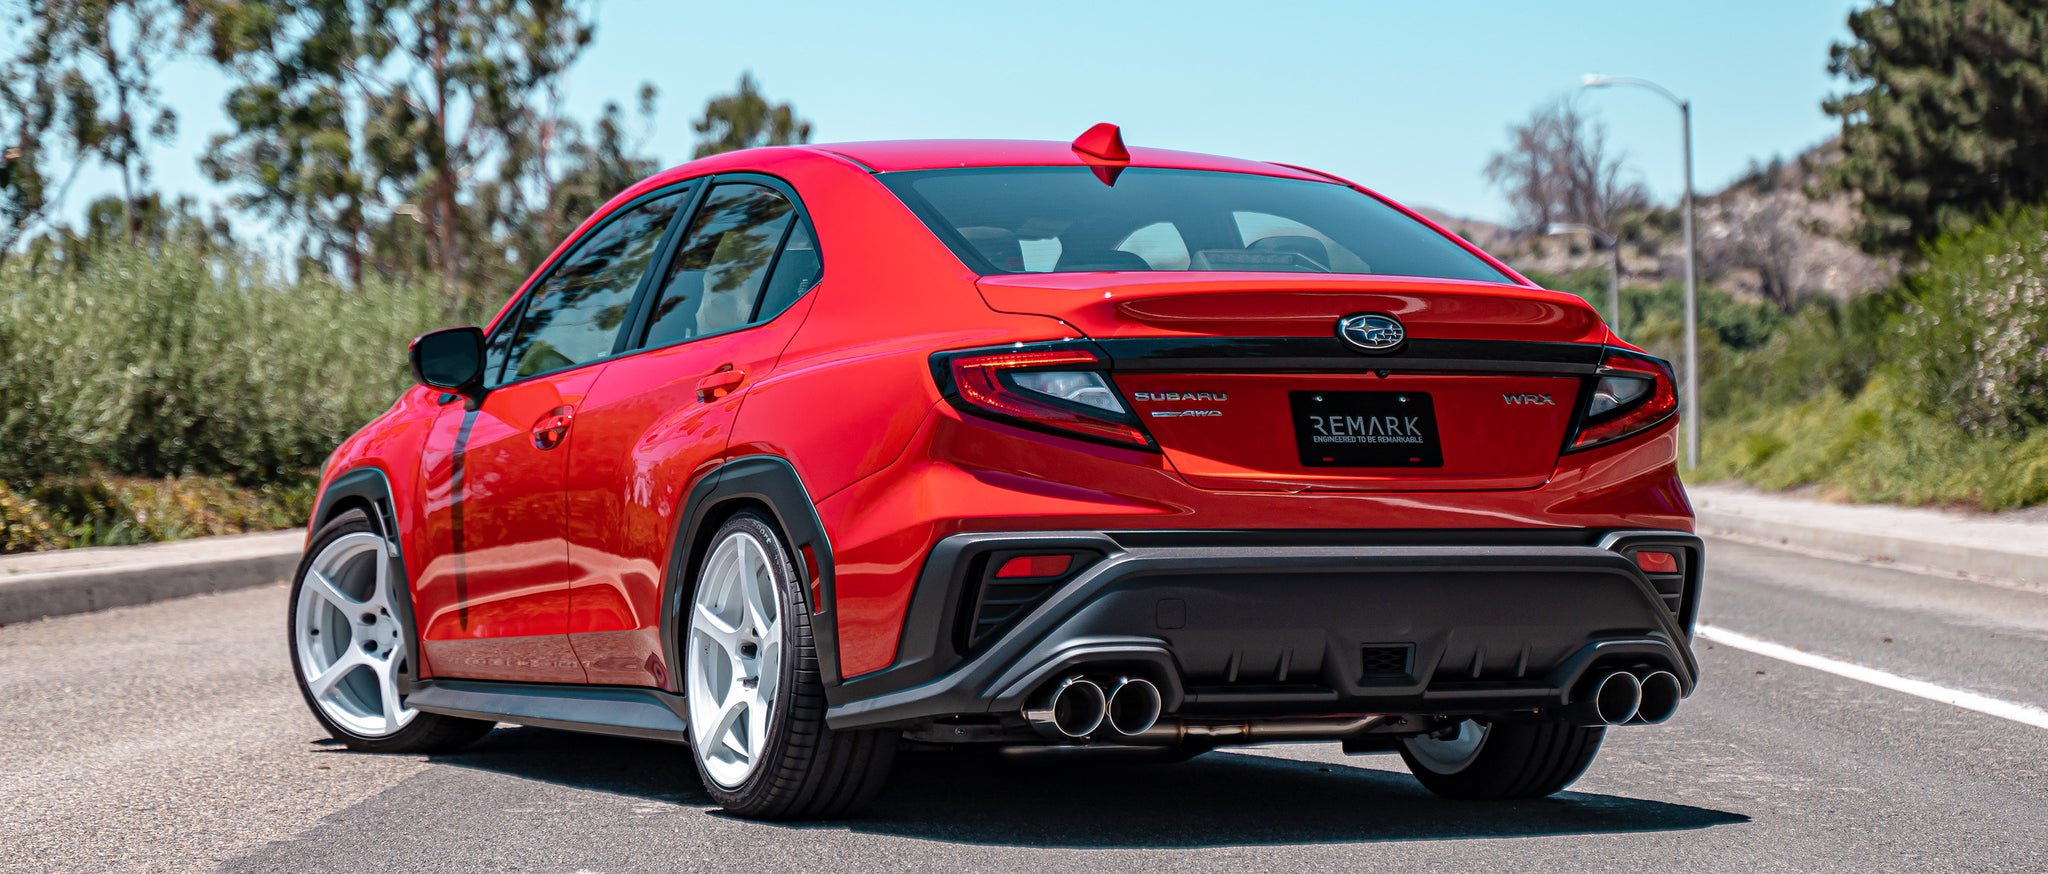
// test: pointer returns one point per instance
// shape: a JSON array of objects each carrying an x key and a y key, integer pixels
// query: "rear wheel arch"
[{"x": 769, "y": 485}]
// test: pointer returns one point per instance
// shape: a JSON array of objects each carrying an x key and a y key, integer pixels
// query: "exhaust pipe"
[
  {"x": 1660, "y": 695},
  {"x": 1608, "y": 700},
  {"x": 1133, "y": 706},
  {"x": 1072, "y": 708}
]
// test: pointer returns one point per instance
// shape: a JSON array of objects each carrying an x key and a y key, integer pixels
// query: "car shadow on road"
[{"x": 1223, "y": 798}]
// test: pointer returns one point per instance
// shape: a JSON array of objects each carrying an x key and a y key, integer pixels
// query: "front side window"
[
  {"x": 573, "y": 316},
  {"x": 726, "y": 274},
  {"x": 1066, "y": 220}
]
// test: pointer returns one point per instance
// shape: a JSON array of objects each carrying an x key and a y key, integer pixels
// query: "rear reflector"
[
  {"x": 1035, "y": 566},
  {"x": 1657, "y": 562}
]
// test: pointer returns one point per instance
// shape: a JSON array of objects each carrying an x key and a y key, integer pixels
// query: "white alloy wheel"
[
  {"x": 735, "y": 658},
  {"x": 1451, "y": 754},
  {"x": 349, "y": 642}
]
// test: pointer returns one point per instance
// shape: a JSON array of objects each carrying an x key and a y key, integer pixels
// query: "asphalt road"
[{"x": 169, "y": 737}]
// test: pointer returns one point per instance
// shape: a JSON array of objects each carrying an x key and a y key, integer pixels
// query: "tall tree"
[
  {"x": 375, "y": 122},
  {"x": 79, "y": 90},
  {"x": 1556, "y": 168},
  {"x": 745, "y": 119},
  {"x": 305, "y": 93},
  {"x": 1947, "y": 119}
]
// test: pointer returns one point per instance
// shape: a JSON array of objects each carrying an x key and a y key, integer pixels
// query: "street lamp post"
[
  {"x": 1692, "y": 352},
  {"x": 1558, "y": 229}
]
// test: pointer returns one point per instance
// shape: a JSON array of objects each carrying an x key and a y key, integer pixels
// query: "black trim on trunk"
[{"x": 1302, "y": 354}]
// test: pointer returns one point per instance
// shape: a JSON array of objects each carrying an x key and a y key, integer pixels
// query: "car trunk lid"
[{"x": 1243, "y": 380}]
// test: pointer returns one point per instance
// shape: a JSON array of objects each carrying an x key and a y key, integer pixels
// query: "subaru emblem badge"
[{"x": 1372, "y": 332}]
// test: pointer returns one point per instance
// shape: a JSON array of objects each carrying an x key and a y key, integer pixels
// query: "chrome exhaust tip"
[
  {"x": 1133, "y": 706},
  {"x": 1072, "y": 708},
  {"x": 1607, "y": 700},
  {"x": 1616, "y": 697},
  {"x": 1659, "y": 698}
]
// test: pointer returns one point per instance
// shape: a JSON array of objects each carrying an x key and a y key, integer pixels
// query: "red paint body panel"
[
  {"x": 966, "y": 474},
  {"x": 650, "y": 436},
  {"x": 566, "y": 550},
  {"x": 498, "y": 608},
  {"x": 1112, "y": 305},
  {"x": 1249, "y": 442}
]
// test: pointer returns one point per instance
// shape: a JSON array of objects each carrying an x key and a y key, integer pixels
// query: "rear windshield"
[{"x": 1068, "y": 220}]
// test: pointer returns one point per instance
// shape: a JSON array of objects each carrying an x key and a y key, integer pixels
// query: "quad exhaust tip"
[
  {"x": 1134, "y": 705},
  {"x": 1616, "y": 697},
  {"x": 1072, "y": 708},
  {"x": 1659, "y": 698}
]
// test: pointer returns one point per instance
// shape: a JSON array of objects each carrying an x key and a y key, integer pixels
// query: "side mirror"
[{"x": 450, "y": 359}]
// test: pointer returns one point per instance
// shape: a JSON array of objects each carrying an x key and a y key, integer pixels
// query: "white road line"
[{"x": 2020, "y": 713}]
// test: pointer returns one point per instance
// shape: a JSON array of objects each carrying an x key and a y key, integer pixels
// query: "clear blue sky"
[{"x": 1409, "y": 98}]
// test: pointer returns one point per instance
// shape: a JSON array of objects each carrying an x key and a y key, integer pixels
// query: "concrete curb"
[
  {"x": 1949, "y": 559},
  {"x": 151, "y": 572}
]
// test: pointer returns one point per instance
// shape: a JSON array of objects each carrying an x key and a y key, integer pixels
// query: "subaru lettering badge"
[{"x": 1372, "y": 332}]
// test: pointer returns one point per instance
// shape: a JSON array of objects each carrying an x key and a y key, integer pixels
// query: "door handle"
[
  {"x": 720, "y": 383},
  {"x": 553, "y": 427}
]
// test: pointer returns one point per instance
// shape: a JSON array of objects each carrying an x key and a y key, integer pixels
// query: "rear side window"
[
  {"x": 1066, "y": 220},
  {"x": 574, "y": 315},
  {"x": 716, "y": 281}
]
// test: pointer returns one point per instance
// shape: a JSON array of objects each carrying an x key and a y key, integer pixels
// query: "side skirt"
[{"x": 624, "y": 711}]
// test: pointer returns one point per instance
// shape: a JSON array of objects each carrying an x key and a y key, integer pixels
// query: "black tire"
[
  {"x": 427, "y": 732},
  {"x": 1514, "y": 760},
  {"x": 806, "y": 770}
]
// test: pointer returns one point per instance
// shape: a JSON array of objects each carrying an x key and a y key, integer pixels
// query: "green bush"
[
  {"x": 1876, "y": 447},
  {"x": 167, "y": 362},
  {"x": 1974, "y": 340},
  {"x": 1934, "y": 392}
]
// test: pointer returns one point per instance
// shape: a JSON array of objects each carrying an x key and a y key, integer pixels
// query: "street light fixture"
[
  {"x": 1559, "y": 229},
  {"x": 1692, "y": 352}
]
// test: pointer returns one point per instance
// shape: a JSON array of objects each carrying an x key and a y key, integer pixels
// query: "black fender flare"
[
  {"x": 772, "y": 482},
  {"x": 369, "y": 485}
]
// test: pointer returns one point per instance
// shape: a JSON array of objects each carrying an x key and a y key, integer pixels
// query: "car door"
[
  {"x": 493, "y": 592},
  {"x": 713, "y": 325}
]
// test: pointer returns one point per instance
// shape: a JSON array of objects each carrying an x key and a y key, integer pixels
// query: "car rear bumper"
[{"x": 1252, "y": 624}]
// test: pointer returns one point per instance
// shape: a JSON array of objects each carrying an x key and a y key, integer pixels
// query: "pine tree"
[{"x": 1948, "y": 119}]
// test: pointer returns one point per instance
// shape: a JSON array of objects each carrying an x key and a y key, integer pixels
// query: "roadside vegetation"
[
  {"x": 1931, "y": 391},
  {"x": 166, "y": 391},
  {"x": 402, "y": 165},
  {"x": 1927, "y": 388}
]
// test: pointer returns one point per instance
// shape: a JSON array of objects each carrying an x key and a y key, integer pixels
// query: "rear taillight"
[
  {"x": 1631, "y": 394},
  {"x": 1057, "y": 387}
]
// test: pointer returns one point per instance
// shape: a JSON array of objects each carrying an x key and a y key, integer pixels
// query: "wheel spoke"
[
  {"x": 712, "y": 626},
  {"x": 757, "y": 587},
  {"x": 387, "y": 691},
  {"x": 380, "y": 590},
  {"x": 351, "y": 659},
  {"x": 320, "y": 585},
  {"x": 757, "y": 723},
  {"x": 724, "y": 731},
  {"x": 769, "y": 669}
]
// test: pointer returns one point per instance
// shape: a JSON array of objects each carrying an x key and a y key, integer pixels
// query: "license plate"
[{"x": 1365, "y": 429}]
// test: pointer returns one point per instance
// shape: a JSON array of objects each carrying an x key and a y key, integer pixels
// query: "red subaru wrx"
[{"x": 798, "y": 455}]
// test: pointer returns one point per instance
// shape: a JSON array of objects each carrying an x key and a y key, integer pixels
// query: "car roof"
[{"x": 894, "y": 155}]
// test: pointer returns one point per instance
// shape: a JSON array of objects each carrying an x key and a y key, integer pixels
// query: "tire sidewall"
[{"x": 797, "y": 648}]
